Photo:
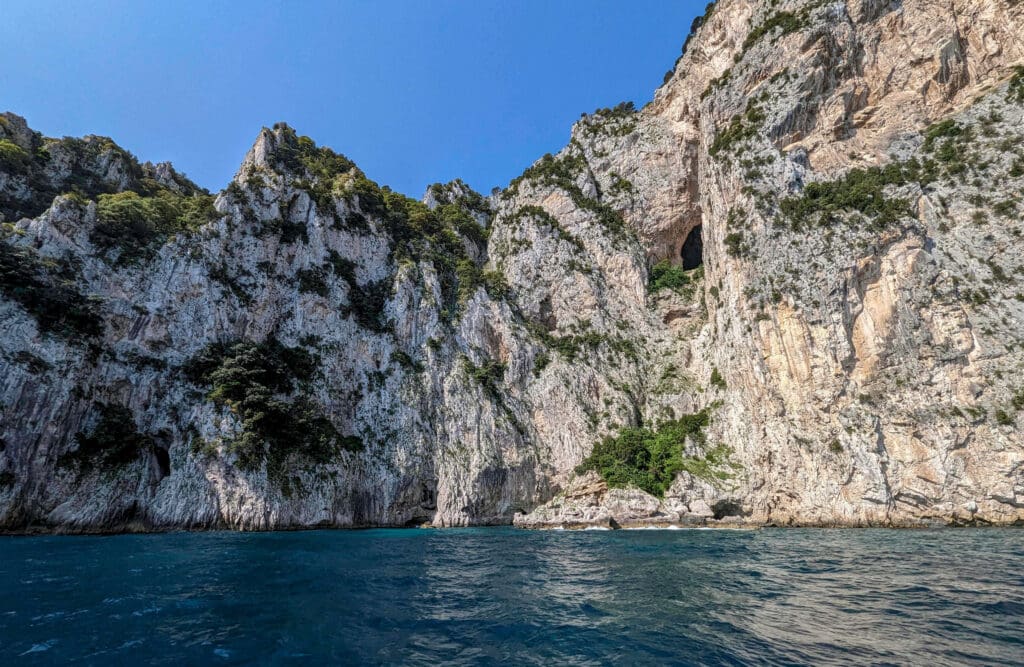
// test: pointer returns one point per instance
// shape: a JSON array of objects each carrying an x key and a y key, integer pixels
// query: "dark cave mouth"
[
  {"x": 692, "y": 252},
  {"x": 163, "y": 461}
]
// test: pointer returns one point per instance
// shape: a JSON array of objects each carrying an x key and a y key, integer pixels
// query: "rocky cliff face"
[{"x": 808, "y": 237}]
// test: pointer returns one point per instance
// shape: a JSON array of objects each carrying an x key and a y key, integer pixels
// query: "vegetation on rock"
[
  {"x": 114, "y": 442},
  {"x": 859, "y": 190},
  {"x": 87, "y": 167},
  {"x": 462, "y": 196},
  {"x": 716, "y": 379},
  {"x": 666, "y": 276},
  {"x": 471, "y": 278},
  {"x": 366, "y": 303},
  {"x": 436, "y": 236},
  {"x": 313, "y": 281},
  {"x": 1015, "y": 91},
  {"x": 539, "y": 215},
  {"x": 617, "y": 121},
  {"x": 784, "y": 22},
  {"x": 417, "y": 232},
  {"x": 742, "y": 128},
  {"x": 734, "y": 244},
  {"x": 322, "y": 171},
  {"x": 694, "y": 27},
  {"x": 488, "y": 374},
  {"x": 562, "y": 173},
  {"x": 136, "y": 225},
  {"x": 300, "y": 154},
  {"x": 12, "y": 156},
  {"x": 650, "y": 459},
  {"x": 263, "y": 384},
  {"x": 861, "y": 194},
  {"x": 47, "y": 290}
]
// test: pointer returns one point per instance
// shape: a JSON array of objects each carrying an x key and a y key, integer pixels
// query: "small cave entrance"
[
  {"x": 163, "y": 462},
  {"x": 427, "y": 508},
  {"x": 692, "y": 252},
  {"x": 724, "y": 508},
  {"x": 418, "y": 520}
]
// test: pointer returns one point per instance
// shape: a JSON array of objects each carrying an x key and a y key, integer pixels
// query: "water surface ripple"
[{"x": 478, "y": 596}]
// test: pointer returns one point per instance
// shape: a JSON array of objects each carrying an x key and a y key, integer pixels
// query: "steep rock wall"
[{"x": 464, "y": 355}]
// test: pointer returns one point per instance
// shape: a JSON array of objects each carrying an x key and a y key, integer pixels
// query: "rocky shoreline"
[
  {"x": 138, "y": 529},
  {"x": 588, "y": 502}
]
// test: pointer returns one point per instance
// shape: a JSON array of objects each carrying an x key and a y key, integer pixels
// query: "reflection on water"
[{"x": 489, "y": 595}]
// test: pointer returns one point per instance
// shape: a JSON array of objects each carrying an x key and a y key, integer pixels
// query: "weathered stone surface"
[{"x": 871, "y": 364}]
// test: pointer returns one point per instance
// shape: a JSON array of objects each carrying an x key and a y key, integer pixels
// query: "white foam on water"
[
  {"x": 39, "y": 648},
  {"x": 152, "y": 609}
]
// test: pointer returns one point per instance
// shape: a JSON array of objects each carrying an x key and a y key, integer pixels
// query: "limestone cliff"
[{"x": 810, "y": 236}]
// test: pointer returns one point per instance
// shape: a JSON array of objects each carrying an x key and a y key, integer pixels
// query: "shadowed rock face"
[{"x": 306, "y": 348}]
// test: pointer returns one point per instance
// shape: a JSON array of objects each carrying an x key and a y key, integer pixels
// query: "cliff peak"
[{"x": 280, "y": 149}]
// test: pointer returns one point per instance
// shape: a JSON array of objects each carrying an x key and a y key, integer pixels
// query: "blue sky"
[{"x": 414, "y": 91}]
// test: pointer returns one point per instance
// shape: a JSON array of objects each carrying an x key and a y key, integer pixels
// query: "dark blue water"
[{"x": 488, "y": 595}]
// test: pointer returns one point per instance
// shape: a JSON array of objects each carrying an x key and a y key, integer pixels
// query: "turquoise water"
[{"x": 490, "y": 595}]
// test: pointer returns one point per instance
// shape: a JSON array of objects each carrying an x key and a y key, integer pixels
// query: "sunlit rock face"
[{"x": 842, "y": 184}]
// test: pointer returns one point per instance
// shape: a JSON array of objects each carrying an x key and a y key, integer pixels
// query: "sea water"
[{"x": 479, "y": 596}]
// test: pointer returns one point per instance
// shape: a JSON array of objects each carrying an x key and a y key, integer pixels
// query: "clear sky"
[{"x": 415, "y": 91}]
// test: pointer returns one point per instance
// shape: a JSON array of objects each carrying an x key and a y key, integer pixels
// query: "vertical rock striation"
[{"x": 307, "y": 348}]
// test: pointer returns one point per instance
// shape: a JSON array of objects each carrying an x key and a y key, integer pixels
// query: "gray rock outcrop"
[{"x": 306, "y": 348}]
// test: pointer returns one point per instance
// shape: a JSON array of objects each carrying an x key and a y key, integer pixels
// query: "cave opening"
[
  {"x": 418, "y": 520},
  {"x": 163, "y": 461},
  {"x": 692, "y": 252},
  {"x": 724, "y": 508}
]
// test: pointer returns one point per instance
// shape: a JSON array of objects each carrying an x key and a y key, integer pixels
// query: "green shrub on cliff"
[
  {"x": 716, "y": 379},
  {"x": 313, "y": 281},
  {"x": 734, "y": 244},
  {"x": 617, "y": 121},
  {"x": 87, "y": 167},
  {"x": 488, "y": 374},
  {"x": 367, "y": 302},
  {"x": 420, "y": 234},
  {"x": 651, "y": 459},
  {"x": 784, "y": 22},
  {"x": 136, "y": 224},
  {"x": 47, "y": 290},
  {"x": 562, "y": 172},
  {"x": 666, "y": 276},
  {"x": 115, "y": 441},
  {"x": 742, "y": 128},
  {"x": 1015, "y": 92},
  {"x": 263, "y": 384},
  {"x": 471, "y": 277},
  {"x": 859, "y": 190},
  {"x": 12, "y": 156},
  {"x": 300, "y": 154}
]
